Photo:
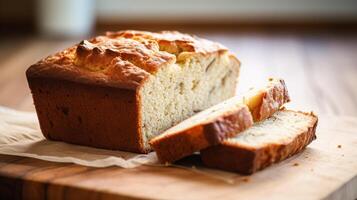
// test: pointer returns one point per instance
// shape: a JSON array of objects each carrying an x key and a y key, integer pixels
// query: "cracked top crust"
[{"x": 122, "y": 59}]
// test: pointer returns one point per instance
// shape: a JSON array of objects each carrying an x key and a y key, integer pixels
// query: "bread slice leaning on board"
[
  {"x": 282, "y": 135},
  {"x": 212, "y": 126}
]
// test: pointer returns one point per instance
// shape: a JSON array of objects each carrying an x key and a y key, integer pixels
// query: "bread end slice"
[
  {"x": 205, "y": 129},
  {"x": 277, "y": 138},
  {"x": 263, "y": 102}
]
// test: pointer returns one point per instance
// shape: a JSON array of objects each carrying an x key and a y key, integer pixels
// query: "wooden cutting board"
[{"x": 327, "y": 169}]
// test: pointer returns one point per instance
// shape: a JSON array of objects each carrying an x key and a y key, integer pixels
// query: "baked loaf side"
[
  {"x": 270, "y": 141},
  {"x": 207, "y": 128},
  {"x": 120, "y": 90},
  {"x": 264, "y": 102}
]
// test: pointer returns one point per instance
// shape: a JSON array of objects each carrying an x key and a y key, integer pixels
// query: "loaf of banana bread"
[{"x": 120, "y": 90}]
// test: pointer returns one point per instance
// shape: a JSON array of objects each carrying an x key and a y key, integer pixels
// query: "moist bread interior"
[
  {"x": 181, "y": 89},
  {"x": 281, "y": 128}
]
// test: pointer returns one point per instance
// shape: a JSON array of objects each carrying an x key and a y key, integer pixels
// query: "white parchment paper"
[{"x": 20, "y": 135}]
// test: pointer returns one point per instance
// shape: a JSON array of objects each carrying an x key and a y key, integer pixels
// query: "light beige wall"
[{"x": 232, "y": 10}]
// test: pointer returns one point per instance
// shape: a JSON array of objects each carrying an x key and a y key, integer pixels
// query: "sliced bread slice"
[
  {"x": 263, "y": 102},
  {"x": 226, "y": 119},
  {"x": 204, "y": 129},
  {"x": 270, "y": 141}
]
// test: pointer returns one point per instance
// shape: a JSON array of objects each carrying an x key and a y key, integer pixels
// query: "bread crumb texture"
[{"x": 281, "y": 128}]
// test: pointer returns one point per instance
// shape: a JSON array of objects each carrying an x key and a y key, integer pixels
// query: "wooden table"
[{"x": 320, "y": 70}]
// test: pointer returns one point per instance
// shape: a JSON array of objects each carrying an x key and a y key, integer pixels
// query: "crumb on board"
[
  {"x": 296, "y": 164},
  {"x": 245, "y": 179},
  {"x": 339, "y": 146}
]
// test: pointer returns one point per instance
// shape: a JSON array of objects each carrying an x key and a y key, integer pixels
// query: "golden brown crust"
[
  {"x": 173, "y": 42},
  {"x": 271, "y": 99},
  {"x": 232, "y": 157},
  {"x": 121, "y": 59},
  {"x": 170, "y": 148}
]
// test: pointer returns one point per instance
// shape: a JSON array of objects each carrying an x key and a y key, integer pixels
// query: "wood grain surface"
[{"x": 320, "y": 70}]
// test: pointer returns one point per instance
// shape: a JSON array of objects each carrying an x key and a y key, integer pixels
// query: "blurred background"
[
  {"x": 312, "y": 44},
  {"x": 80, "y": 17}
]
